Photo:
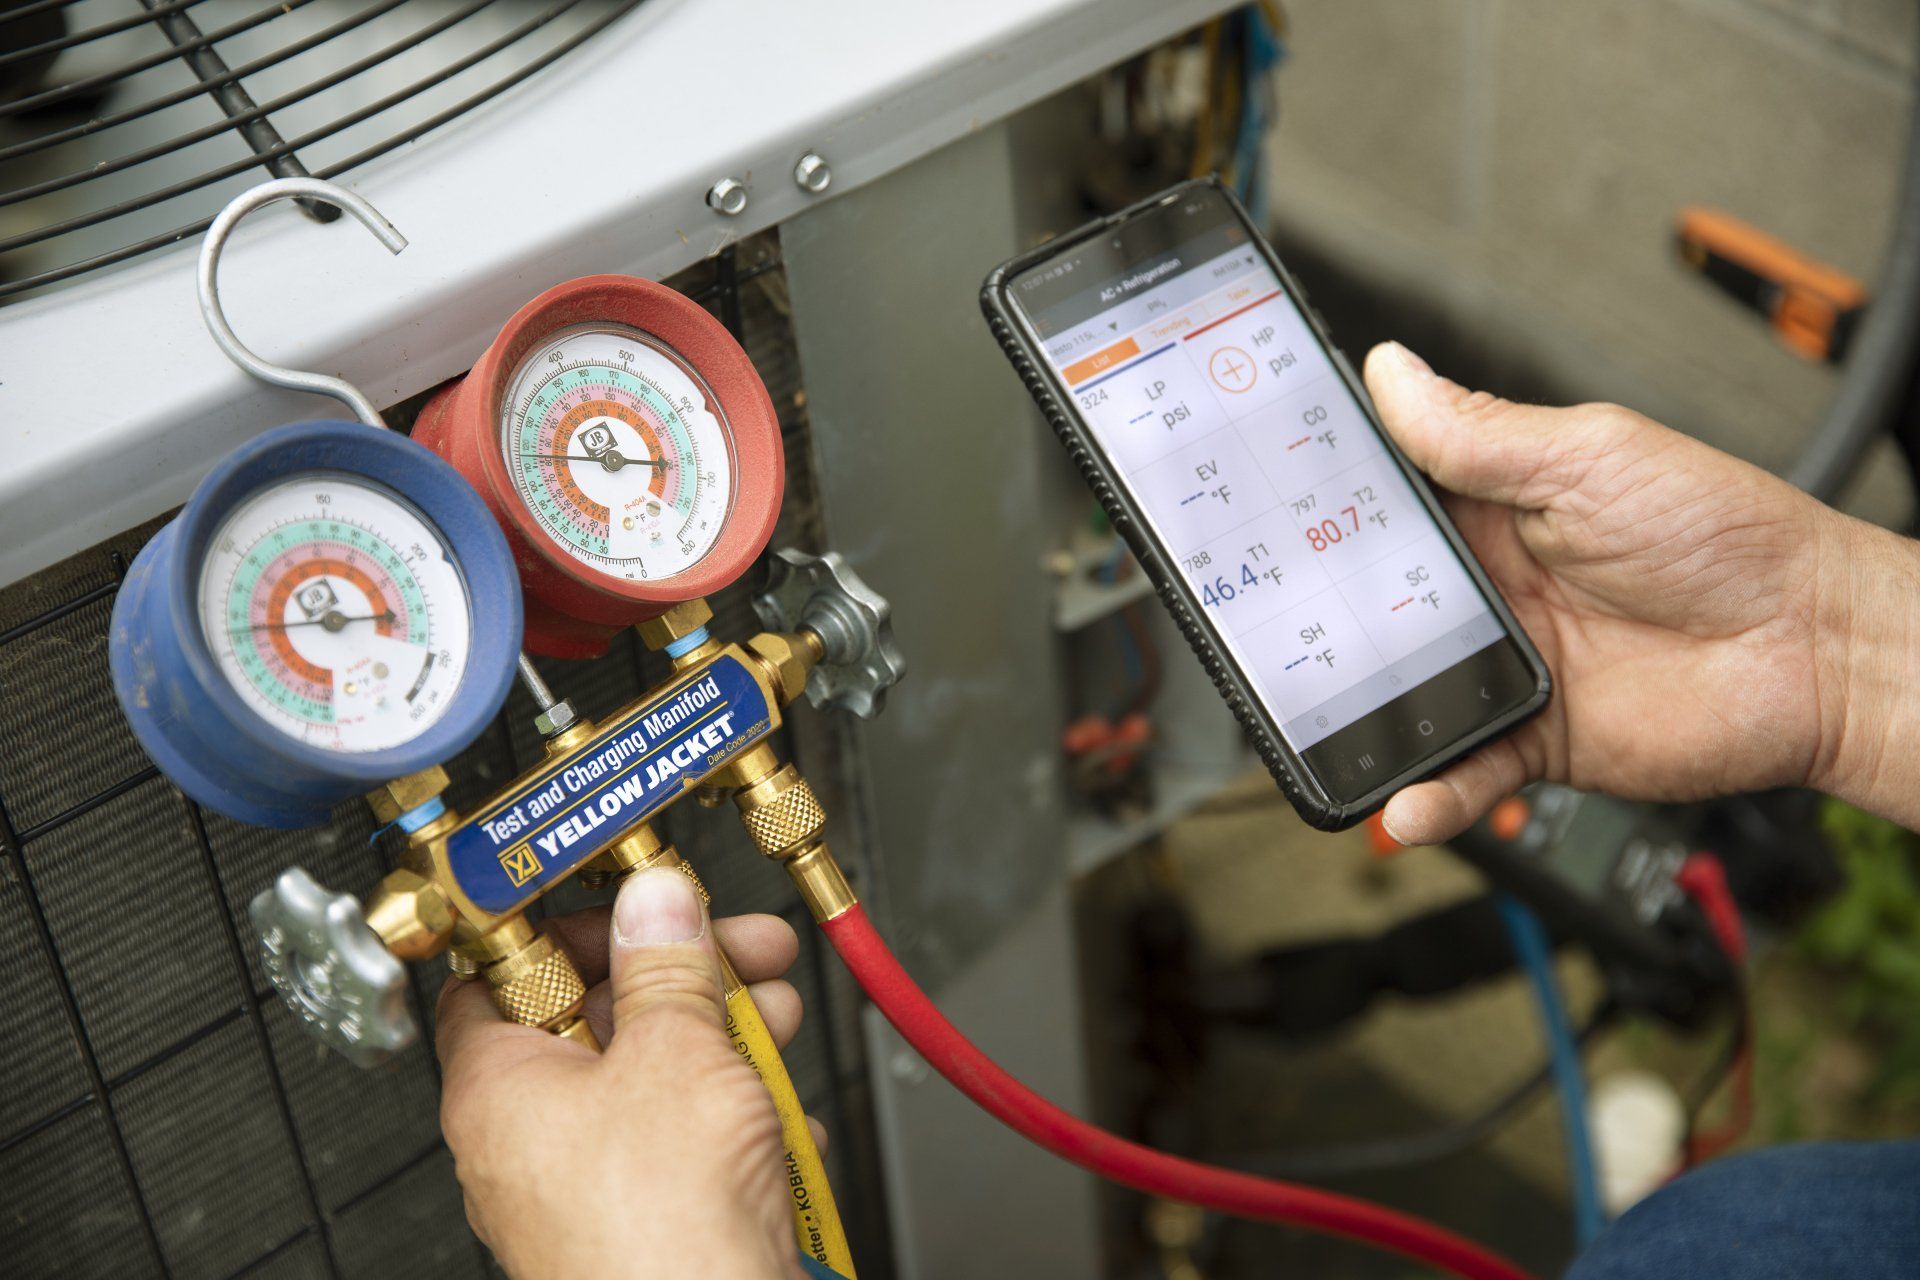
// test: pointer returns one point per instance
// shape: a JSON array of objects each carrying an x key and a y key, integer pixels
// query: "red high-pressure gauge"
[{"x": 627, "y": 447}]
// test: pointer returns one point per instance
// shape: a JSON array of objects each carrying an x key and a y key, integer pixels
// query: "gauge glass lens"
[
  {"x": 612, "y": 443},
  {"x": 336, "y": 611}
]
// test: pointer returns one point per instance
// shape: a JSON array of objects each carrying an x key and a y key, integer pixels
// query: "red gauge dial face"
[
  {"x": 614, "y": 445},
  {"x": 620, "y": 435}
]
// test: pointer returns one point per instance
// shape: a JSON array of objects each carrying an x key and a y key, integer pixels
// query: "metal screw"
[
  {"x": 728, "y": 196},
  {"x": 812, "y": 173}
]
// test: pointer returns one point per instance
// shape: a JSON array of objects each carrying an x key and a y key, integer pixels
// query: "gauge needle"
[
  {"x": 612, "y": 459},
  {"x": 332, "y": 620}
]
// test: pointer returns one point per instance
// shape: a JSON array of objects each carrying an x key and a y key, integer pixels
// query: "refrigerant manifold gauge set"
[{"x": 339, "y": 610}]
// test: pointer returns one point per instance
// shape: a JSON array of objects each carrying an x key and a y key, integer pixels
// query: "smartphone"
[{"x": 1334, "y": 604}]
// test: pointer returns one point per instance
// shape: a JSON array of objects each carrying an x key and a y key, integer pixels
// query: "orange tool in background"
[{"x": 1813, "y": 307}]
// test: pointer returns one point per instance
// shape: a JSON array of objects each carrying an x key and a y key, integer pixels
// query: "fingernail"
[
  {"x": 1411, "y": 362},
  {"x": 1386, "y": 825},
  {"x": 658, "y": 907}
]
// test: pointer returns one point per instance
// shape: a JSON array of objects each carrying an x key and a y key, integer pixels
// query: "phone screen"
[{"x": 1265, "y": 481}]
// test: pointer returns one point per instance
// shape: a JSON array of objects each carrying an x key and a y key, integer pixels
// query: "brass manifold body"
[{"x": 420, "y": 908}]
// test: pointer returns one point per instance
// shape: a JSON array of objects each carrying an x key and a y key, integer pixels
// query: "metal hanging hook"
[
  {"x": 555, "y": 713},
  {"x": 210, "y": 309}
]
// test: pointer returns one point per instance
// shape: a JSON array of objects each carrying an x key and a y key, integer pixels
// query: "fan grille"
[{"x": 126, "y": 124}]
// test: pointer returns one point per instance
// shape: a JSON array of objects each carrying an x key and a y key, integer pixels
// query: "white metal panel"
[{"x": 113, "y": 401}]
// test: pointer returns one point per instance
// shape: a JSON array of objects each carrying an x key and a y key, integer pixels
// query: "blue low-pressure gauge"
[{"x": 333, "y": 608}]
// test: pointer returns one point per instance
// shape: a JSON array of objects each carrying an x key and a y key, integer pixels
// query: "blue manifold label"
[{"x": 634, "y": 767}]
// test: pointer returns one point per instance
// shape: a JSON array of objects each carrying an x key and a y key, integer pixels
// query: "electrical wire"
[
  {"x": 1132, "y": 656},
  {"x": 1732, "y": 1063},
  {"x": 1735, "y": 1063},
  {"x": 816, "y": 1218},
  {"x": 1138, "y": 652},
  {"x": 1261, "y": 52},
  {"x": 1372, "y": 1155},
  {"x": 1724, "y": 1061},
  {"x": 1702, "y": 885},
  {"x": 1535, "y": 953},
  {"x": 1133, "y": 626},
  {"x": 1704, "y": 880},
  {"x": 1157, "y": 1173}
]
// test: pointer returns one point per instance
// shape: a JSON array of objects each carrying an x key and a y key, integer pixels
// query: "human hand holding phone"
[
  {"x": 1323, "y": 588},
  {"x": 1710, "y": 628}
]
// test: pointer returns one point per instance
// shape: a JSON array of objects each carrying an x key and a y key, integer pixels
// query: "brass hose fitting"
[
  {"x": 823, "y": 885},
  {"x": 699, "y": 886},
  {"x": 644, "y": 849},
  {"x": 580, "y": 1031},
  {"x": 537, "y": 986},
  {"x": 391, "y": 799},
  {"x": 681, "y": 622},
  {"x": 411, "y": 913},
  {"x": 786, "y": 824},
  {"x": 788, "y": 658},
  {"x": 780, "y": 813},
  {"x": 574, "y": 735},
  {"x": 641, "y": 848}
]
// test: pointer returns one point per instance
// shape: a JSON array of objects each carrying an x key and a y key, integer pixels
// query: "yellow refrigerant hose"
[{"x": 816, "y": 1219}]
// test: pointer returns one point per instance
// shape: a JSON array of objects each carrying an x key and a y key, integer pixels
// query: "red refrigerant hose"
[
  {"x": 1705, "y": 880},
  {"x": 1155, "y": 1172}
]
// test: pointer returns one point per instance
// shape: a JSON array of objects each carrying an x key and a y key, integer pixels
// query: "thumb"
[
  {"x": 664, "y": 964},
  {"x": 1472, "y": 442}
]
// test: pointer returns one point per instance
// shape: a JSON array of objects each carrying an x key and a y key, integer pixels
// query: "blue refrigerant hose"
[{"x": 1531, "y": 948}]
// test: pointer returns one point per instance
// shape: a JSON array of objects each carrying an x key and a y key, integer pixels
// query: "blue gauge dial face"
[{"x": 336, "y": 612}]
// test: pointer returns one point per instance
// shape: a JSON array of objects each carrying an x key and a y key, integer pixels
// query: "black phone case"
[{"x": 1288, "y": 769}]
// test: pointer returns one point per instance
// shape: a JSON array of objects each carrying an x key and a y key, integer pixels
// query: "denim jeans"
[{"x": 1842, "y": 1209}]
